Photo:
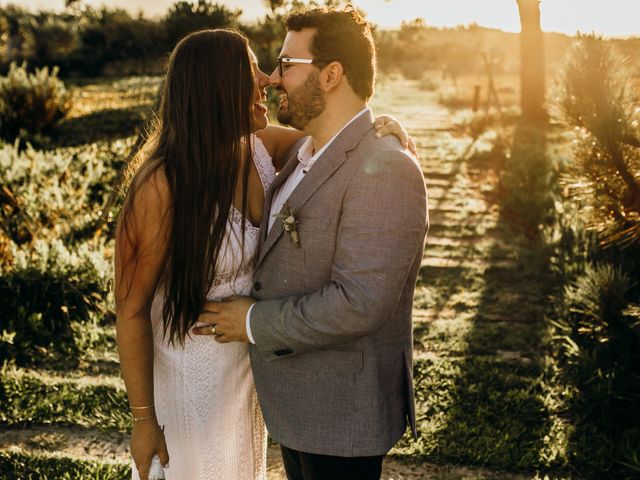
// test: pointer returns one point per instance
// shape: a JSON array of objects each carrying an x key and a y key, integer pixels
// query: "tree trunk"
[{"x": 532, "y": 74}]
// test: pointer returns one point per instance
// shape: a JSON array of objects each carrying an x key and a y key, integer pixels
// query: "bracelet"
[
  {"x": 139, "y": 419},
  {"x": 141, "y": 408}
]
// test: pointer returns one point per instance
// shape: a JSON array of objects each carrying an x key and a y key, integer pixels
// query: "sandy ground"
[{"x": 89, "y": 444}]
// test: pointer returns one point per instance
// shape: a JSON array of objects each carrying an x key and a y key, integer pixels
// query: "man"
[{"x": 342, "y": 241}]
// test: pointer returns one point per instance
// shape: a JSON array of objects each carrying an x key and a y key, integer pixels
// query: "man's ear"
[{"x": 331, "y": 76}]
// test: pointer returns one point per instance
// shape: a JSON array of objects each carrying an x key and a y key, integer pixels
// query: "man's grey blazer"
[{"x": 333, "y": 355}]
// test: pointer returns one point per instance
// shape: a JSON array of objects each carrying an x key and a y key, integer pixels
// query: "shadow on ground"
[
  {"x": 99, "y": 126},
  {"x": 481, "y": 401}
]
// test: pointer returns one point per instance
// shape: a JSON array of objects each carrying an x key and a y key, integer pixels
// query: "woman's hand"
[
  {"x": 147, "y": 440},
  {"x": 388, "y": 125}
]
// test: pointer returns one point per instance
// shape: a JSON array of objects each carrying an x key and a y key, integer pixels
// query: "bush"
[
  {"x": 31, "y": 101},
  {"x": 529, "y": 183},
  {"x": 111, "y": 39},
  {"x": 186, "y": 17},
  {"x": 44, "y": 292},
  {"x": 599, "y": 351},
  {"x": 55, "y": 39},
  {"x": 57, "y": 194},
  {"x": 48, "y": 285},
  {"x": 597, "y": 102}
]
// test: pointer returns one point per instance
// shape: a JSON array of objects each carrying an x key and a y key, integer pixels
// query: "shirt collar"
[{"x": 307, "y": 158}]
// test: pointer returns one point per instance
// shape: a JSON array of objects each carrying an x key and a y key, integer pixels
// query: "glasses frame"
[{"x": 297, "y": 61}]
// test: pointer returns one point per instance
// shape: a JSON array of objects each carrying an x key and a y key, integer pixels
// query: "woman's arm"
[
  {"x": 278, "y": 140},
  {"x": 141, "y": 240}
]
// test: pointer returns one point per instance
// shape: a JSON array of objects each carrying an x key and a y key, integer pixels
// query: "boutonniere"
[{"x": 289, "y": 223}]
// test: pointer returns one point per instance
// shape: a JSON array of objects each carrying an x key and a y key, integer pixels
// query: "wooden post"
[
  {"x": 476, "y": 98},
  {"x": 492, "y": 93}
]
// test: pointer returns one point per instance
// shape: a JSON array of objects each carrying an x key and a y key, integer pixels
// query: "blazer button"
[{"x": 257, "y": 286}]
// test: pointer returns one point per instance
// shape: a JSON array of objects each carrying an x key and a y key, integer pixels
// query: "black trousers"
[{"x": 310, "y": 466}]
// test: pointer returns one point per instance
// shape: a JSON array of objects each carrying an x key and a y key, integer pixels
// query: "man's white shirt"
[{"x": 306, "y": 160}]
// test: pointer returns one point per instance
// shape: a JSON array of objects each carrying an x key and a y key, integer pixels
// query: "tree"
[
  {"x": 274, "y": 4},
  {"x": 532, "y": 74},
  {"x": 184, "y": 17}
]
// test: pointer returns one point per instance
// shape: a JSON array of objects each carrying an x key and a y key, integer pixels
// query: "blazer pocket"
[{"x": 330, "y": 361}]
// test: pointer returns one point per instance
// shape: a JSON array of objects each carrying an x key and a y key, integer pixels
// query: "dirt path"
[{"x": 90, "y": 444}]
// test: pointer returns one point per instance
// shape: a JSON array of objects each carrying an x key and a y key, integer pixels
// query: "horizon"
[{"x": 557, "y": 16}]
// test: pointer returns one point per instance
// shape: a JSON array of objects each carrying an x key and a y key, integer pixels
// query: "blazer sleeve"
[{"x": 380, "y": 235}]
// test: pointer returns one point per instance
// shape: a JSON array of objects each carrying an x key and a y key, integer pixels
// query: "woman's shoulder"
[
  {"x": 263, "y": 161},
  {"x": 151, "y": 188},
  {"x": 259, "y": 144},
  {"x": 263, "y": 139},
  {"x": 278, "y": 140}
]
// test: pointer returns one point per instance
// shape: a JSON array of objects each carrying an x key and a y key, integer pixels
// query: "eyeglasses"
[{"x": 296, "y": 61}]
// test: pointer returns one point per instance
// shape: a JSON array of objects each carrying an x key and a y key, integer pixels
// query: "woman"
[{"x": 189, "y": 232}]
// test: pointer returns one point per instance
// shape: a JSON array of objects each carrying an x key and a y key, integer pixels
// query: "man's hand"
[{"x": 226, "y": 320}]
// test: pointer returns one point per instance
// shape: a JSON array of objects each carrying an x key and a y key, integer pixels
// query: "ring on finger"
[{"x": 213, "y": 329}]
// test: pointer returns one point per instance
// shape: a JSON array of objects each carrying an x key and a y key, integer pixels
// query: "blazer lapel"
[
  {"x": 332, "y": 158},
  {"x": 288, "y": 168}
]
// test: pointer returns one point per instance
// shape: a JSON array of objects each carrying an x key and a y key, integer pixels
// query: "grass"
[
  {"x": 49, "y": 467},
  {"x": 479, "y": 411},
  {"x": 481, "y": 374},
  {"x": 29, "y": 399},
  {"x": 482, "y": 381},
  {"x": 108, "y": 109},
  {"x": 97, "y": 94}
]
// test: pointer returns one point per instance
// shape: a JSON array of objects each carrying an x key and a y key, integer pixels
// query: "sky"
[{"x": 606, "y": 17}]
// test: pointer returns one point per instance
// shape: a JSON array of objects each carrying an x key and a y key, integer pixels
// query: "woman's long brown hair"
[{"x": 200, "y": 139}]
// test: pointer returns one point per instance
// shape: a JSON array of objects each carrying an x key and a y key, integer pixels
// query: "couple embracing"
[{"x": 265, "y": 275}]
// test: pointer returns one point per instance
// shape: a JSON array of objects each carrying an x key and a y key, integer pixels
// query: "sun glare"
[{"x": 611, "y": 18}]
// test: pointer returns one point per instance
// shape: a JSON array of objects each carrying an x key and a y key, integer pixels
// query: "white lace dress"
[{"x": 204, "y": 392}]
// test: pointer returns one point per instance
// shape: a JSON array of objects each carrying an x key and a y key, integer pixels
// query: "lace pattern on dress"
[
  {"x": 236, "y": 217},
  {"x": 267, "y": 173},
  {"x": 264, "y": 164},
  {"x": 230, "y": 277}
]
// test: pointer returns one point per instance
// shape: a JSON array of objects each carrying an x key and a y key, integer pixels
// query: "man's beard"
[{"x": 303, "y": 104}]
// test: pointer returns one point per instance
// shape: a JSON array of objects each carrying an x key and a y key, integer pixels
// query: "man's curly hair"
[{"x": 343, "y": 36}]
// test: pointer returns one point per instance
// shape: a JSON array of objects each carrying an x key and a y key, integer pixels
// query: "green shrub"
[
  {"x": 186, "y": 17},
  {"x": 572, "y": 244},
  {"x": 46, "y": 285},
  {"x": 598, "y": 340},
  {"x": 111, "y": 39},
  {"x": 528, "y": 183},
  {"x": 57, "y": 194},
  {"x": 32, "y": 102},
  {"x": 597, "y": 101},
  {"x": 46, "y": 289}
]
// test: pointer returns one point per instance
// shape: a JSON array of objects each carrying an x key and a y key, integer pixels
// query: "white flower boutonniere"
[{"x": 289, "y": 223}]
